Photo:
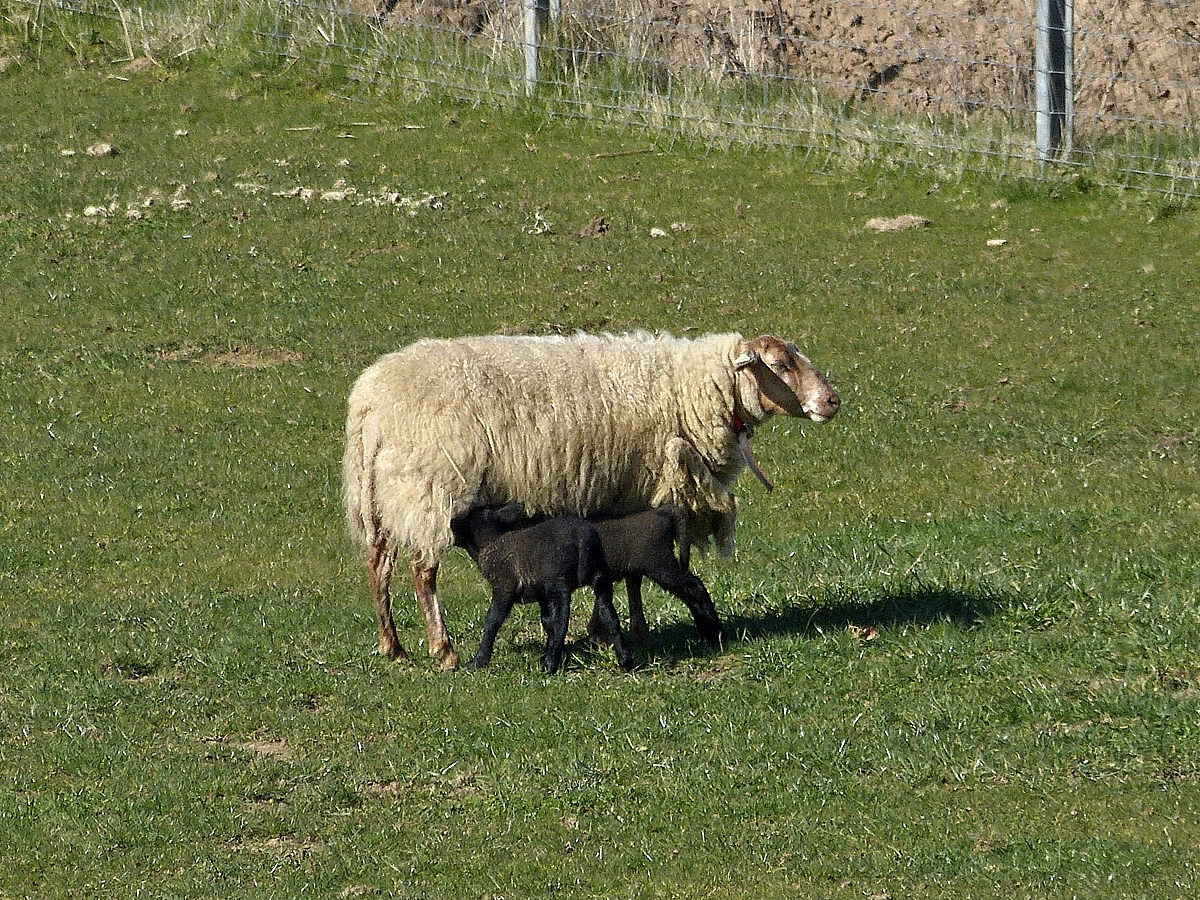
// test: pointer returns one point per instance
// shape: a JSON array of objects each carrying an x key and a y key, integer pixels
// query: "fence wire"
[{"x": 943, "y": 83}]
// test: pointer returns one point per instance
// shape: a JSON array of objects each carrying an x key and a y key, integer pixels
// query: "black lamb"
[
  {"x": 544, "y": 564},
  {"x": 643, "y": 545}
]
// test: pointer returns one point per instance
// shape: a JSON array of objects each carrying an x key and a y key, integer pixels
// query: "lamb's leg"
[
  {"x": 380, "y": 564},
  {"x": 556, "y": 616},
  {"x": 440, "y": 647},
  {"x": 693, "y": 592},
  {"x": 606, "y": 613},
  {"x": 638, "y": 630},
  {"x": 497, "y": 613}
]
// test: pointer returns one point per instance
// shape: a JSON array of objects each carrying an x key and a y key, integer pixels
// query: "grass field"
[{"x": 964, "y": 628}]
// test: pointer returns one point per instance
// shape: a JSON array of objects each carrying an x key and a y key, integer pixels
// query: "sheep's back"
[{"x": 575, "y": 425}]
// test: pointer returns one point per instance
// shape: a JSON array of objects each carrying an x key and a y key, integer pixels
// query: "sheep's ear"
[{"x": 748, "y": 358}]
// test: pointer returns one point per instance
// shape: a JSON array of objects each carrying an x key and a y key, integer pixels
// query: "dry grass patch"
[
  {"x": 267, "y": 749},
  {"x": 242, "y": 357},
  {"x": 254, "y": 357}
]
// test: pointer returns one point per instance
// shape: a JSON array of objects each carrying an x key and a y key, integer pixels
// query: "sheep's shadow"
[{"x": 916, "y": 604}]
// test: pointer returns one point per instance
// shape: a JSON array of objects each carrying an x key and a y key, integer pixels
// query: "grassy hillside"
[{"x": 964, "y": 627}]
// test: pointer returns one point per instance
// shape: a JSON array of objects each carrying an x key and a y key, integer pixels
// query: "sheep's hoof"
[
  {"x": 713, "y": 636},
  {"x": 639, "y": 633},
  {"x": 447, "y": 660},
  {"x": 391, "y": 649}
]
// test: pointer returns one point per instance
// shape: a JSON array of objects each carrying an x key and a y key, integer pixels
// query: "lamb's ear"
[
  {"x": 513, "y": 512},
  {"x": 746, "y": 359}
]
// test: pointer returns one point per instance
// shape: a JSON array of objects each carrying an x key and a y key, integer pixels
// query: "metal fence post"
[
  {"x": 1054, "y": 59},
  {"x": 1068, "y": 75},
  {"x": 537, "y": 14}
]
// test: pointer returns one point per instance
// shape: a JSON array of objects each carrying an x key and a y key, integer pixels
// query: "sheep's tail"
[{"x": 358, "y": 478}]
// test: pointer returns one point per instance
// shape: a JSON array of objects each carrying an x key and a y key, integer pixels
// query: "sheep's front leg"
[
  {"x": 688, "y": 482},
  {"x": 440, "y": 647},
  {"x": 380, "y": 565},
  {"x": 556, "y": 616},
  {"x": 497, "y": 613},
  {"x": 606, "y": 613}
]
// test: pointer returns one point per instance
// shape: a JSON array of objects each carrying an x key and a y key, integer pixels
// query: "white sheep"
[{"x": 582, "y": 425}]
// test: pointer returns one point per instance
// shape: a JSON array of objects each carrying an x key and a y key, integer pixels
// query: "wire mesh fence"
[{"x": 943, "y": 83}]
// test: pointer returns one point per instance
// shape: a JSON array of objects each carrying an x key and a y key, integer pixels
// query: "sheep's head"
[{"x": 787, "y": 382}]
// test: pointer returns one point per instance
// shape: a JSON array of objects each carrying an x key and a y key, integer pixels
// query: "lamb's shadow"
[{"x": 915, "y": 604}]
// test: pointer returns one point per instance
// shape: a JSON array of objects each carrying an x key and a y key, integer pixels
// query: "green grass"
[{"x": 964, "y": 627}]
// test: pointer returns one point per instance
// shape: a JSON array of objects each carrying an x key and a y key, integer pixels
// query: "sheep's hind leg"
[
  {"x": 440, "y": 647},
  {"x": 638, "y": 630},
  {"x": 693, "y": 592},
  {"x": 380, "y": 564}
]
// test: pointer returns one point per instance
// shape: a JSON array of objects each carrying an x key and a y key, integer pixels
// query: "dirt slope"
[{"x": 1135, "y": 60}]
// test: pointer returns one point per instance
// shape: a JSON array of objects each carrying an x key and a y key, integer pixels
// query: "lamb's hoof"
[
  {"x": 639, "y": 633},
  {"x": 447, "y": 660}
]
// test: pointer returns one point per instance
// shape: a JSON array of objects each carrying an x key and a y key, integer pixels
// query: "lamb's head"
[
  {"x": 478, "y": 527},
  {"x": 787, "y": 383}
]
